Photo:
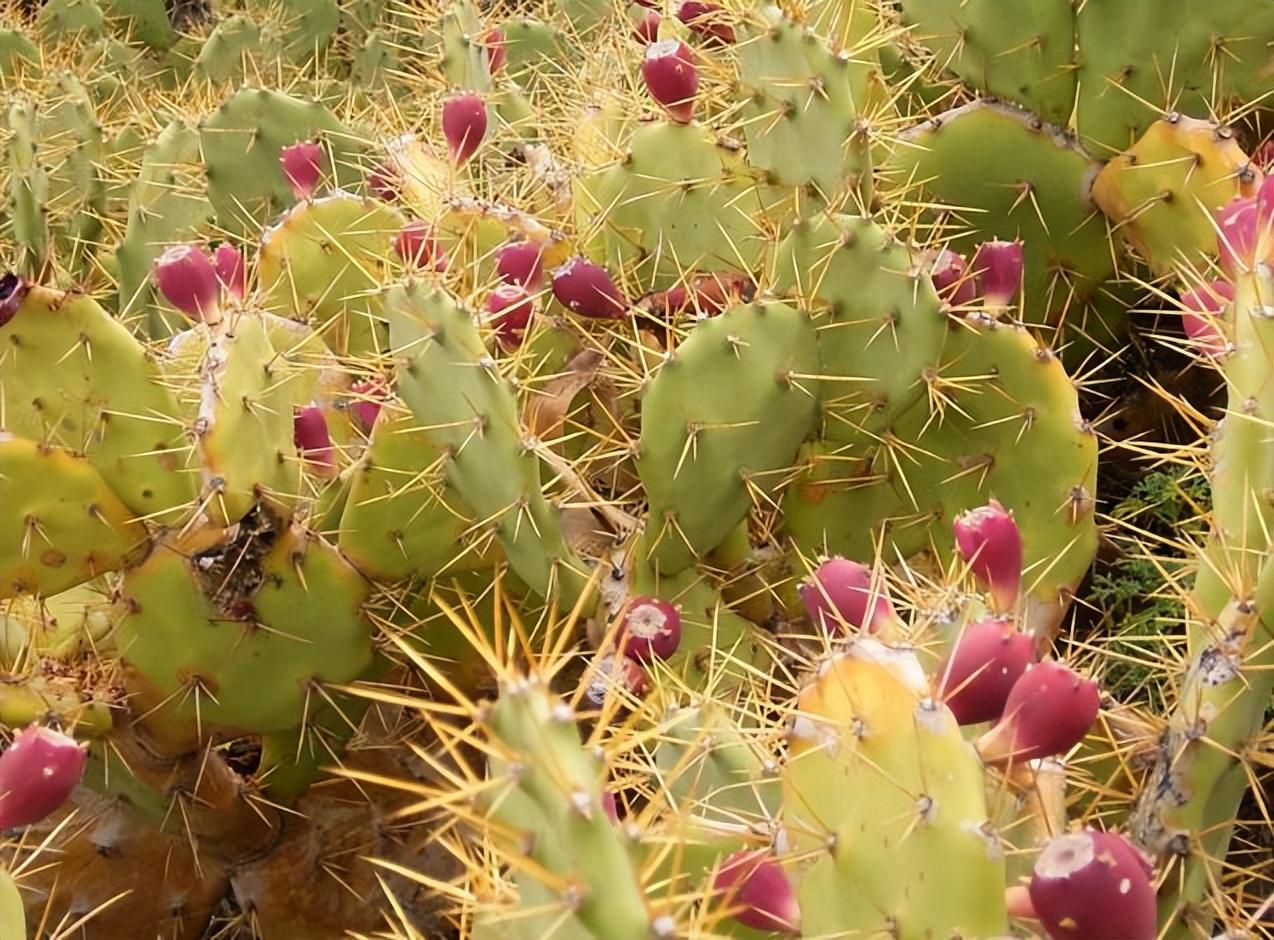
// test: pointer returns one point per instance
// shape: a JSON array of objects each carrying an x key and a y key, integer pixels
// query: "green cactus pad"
[
  {"x": 1024, "y": 54},
  {"x": 879, "y": 322},
  {"x": 235, "y": 41},
  {"x": 73, "y": 376},
  {"x": 464, "y": 58},
  {"x": 1003, "y": 175},
  {"x": 18, "y": 54},
  {"x": 677, "y": 202},
  {"x": 454, "y": 389},
  {"x": 1140, "y": 59},
  {"x": 71, "y": 20},
  {"x": 241, "y": 143},
  {"x": 28, "y": 188},
  {"x": 60, "y": 524},
  {"x": 535, "y": 50},
  {"x": 1162, "y": 193},
  {"x": 878, "y": 771},
  {"x": 721, "y": 420},
  {"x": 142, "y": 21},
  {"x": 1001, "y": 421},
  {"x": 803, "y": 102},
  {"x": 325, "y": 261},
  {"x": 235, "y": 636}
]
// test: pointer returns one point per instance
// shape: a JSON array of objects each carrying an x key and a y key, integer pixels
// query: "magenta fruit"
[
  {"x": 620, "y": 673},
  {"x": 303, "y": 166},
  {"x": 987, "y": 660},
  {"x": 189, "y": 282},
  {"x": 707, "y": 21},
  {"x": 365, "y": 407},
  {"x": 1200, "y": 316},
  {"x": 464, "y": 124},
  {"x": 520, "y": 263},
  {"x": 417, "y": 248},
  {"x": 587, "y": 289},
  {"x": 1048, "y": 711},
  {"x": 650, "y": 629},
  {"x": 989, "y": 540},
  {"x": 12, "y": 289},
  {"x": 509, "y": 308},
  {"x": 497, "y": 53},
  {"x": 952, "y": 280},
  {"x": 646, "y": 27},
  {"x": 231, "y": 271},
  {"x": 997, "y": 266},
  {"x": 1093, "y": 886},
  {"x": 309, "y": 434},
  {"x": 839, "y": 595},
  {"x": 756, "y": 884},
  {"x": 672, "y": 78},
  {"x": 37, "y": 774}
]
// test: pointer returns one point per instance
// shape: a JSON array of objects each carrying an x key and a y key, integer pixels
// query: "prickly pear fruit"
[
  {"x": 415, "y": 246},
  {"x": 497, "y": 53},
  {"x": 706, "y": 296},
  {"x": 464, "y": 124},
  {"x": 12, "y": 289},
  {"x": 1095, "y": 886},
  {"x": 302, "y": 165},
  {"x": 839, "y": 596},
  {"x": 952, "y": 280},
  {"x": 309, "y": 433},
  {"x": 587, "y": 289},
  {"x": 509, "y": 309},
  {"x": 189, "y": 282},
  {"x": 646, "y": 27},
  {"x": 650, "y": 629},
  {"x": 520, "y": 263},
  {"x": 364, "y": 409},
  {"x": 620, "y": 673},
  {"x": 707, "y": 21},
  {"x": 997, "y": 266},
  {"x": 755, "y": 882},
  {"x": 987, "y": 660},
  {"x": 1199, "y": 315},
  {"x": 37, "y": 774},
  {"x": 672, "y": 77},
  {"x": 1247, "y": 231},
  {"x": 383, "y": 182},
  {"x": 989, "y": 541},
  {"x": 1047, "y": 712},
  {"x": 231, "y": 271},
  {"x": 610, "y": 805}
]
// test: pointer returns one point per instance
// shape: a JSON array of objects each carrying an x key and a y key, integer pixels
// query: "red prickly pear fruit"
[
  {"x": 951, "y": 279},
  {"x": 989, "y": 540},
  {"x": 706, "y": 20},
  {"x": 497, "y": 52},
  {"x": 1263, "y": 156},
  {"x": 1236, "y": 242},
  {"x": 303, "y": 166},
  {"x": 364, "y": 409},
  {"x": 997, "y": 266},
  {"x": 706, "y": 296},
  {"x": 1093, "y": 886},
  {"x": 617, "y": 672},
  {"x": 646, "y": 27},
  {"x": 464, "y": 124},
  {"x": 610, "y": 805},
  {"x": 1048, "y": 711},
  {"x": 987, "y": 660},
  {"x": 587, "y": 289},
  {"x": 231, "y": 271},
  {"x": 754, "y": 882},
  {"x": 839, "y": 595},
  {"x": 309, "y": 434},
  {"x": 510, "y": 308},
  {"x": 672, "y": 78},
  {"x": 37, "y": 774},
  {"x": 1201, "y": 309},
  {"x": 383, "y": 181},
  {"x": 416, "y": 247},
  {"x": 188, "y": 281},
  {"x": 650, "y": 629},
  {"x": 13, "y": 287},
  {"x": 520, "y": 263}
]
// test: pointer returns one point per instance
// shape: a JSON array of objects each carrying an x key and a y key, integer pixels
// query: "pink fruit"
[
  {"x": 756, "y": 884},
  {"x": 383, "y": 181},
  {"x": 364, "y": 409},
  {"x": 587, "y": 289},
  {"x": 1093, "y": 886},
  {"x": 189, "y": 282},
  {"x": 610, "y": 805},
  {"x": 986, "y": 661},
  {"x": 672, "y": 78},
  {"x": 988, "y": 539},
  {"x": 707, "y": 21},
  {"x": 309, "y": 433},
  {"x": 497, "y": 53},
  {"x": 1200, "y": 314},
  {"x": 997, "y": 266},
  {"x": 37, "y": 774},
  {"x": 464, "y": 124},
  {"x": 952, "y": 280},
  {"x": 520, "y": 263},
  {"x": 646, "y": 27},
  {"x": 231, "y": 272},
  {"x": 303, "y": 166},
  {"x": 12, "y": 289},
  {"x": 1048, "y": 711},
  {"x": 839, "y": 596},
  {"x": 416, "y": 247},
  {"x": 706, "y": 296},
  {"x": 620, "y": 673},
  {"x": 510, "y": 308},
  {"x": 651, "y": 629}
]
